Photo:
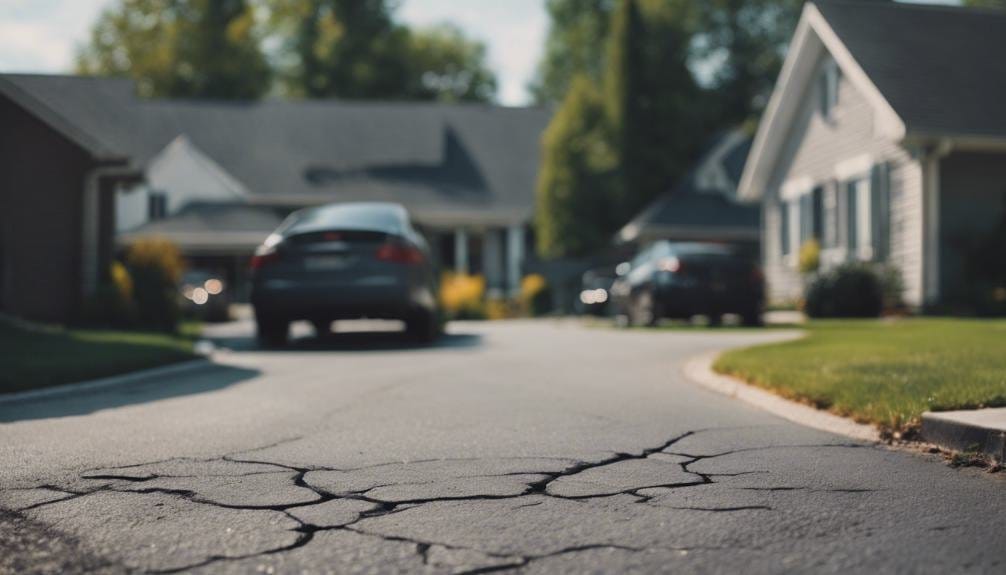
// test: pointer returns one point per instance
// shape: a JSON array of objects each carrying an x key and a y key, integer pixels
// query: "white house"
[{"x": 885, "y": 140}]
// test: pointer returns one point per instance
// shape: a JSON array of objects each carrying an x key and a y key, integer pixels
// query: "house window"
[
  {"x": 880, "y": 211},
  {"x": 157, "y": 206},
  {"x": 862, "y": 219},
  {"x": 829, "y": 82},
  {"x": 812, "y": 216},
  {"x": 832, "y": 218}
]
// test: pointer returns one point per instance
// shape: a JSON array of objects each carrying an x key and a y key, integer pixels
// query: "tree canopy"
[
  {"x": 179, "y": 48},
  {"x": 648, "y": 121},
  {"x": 235, "y": 49}
]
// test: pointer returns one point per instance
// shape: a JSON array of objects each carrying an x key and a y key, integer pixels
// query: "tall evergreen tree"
[
  {"x": 574, "y": 213},
  {"x": 624, "y": 101},
  {"x": 574, "y": 45},
  {"x": 653, "y": 106}
]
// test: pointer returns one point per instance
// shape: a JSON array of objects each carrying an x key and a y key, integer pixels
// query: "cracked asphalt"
[{"x": 536, "y": 447}]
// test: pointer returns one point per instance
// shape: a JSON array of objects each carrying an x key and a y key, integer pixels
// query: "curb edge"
[{"x": 699, "y": 370}]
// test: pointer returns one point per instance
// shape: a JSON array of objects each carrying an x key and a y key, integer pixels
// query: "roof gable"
[
  {"x": 927, "y": 71},
  {"x": 813, "y": 37}
]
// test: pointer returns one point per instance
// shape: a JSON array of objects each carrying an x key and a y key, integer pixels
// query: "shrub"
[
  {"x": 535, "y": 298},
  {"x": 463, "y": 296},
  {"x": 850, "y": 290},
  {"x": 810, "y": 257},
  {"x": 892, "y": 284},
  {"x": 501, "y": 308},
  {"x": 112, "y": 304},
  {"x": 156, "y": 267}
]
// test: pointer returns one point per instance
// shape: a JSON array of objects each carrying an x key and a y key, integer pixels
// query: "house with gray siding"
[
  {"x": 88, "y": 168},
  {"x": 884, "y": 140}
]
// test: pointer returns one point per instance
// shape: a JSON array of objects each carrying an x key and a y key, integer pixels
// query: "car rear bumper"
[
  {"x": 297, "y": 301},
  {"x": 688, "y": 300}
]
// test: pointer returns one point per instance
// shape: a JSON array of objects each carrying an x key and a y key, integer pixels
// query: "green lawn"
[
  {"x": 883, "y": 372},
  {"x": 34, "y": 357}
]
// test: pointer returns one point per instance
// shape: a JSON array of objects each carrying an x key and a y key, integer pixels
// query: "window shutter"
[
  {"x": 880, "y": 212},
  {"x": 784, "y": 228},
  {"x": 851, "y": 217}
]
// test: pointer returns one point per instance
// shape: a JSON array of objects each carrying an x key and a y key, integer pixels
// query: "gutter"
[{"x": 91, "y": 218}]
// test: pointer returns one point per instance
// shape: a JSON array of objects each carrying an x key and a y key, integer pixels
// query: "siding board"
[{"x": 815, "y": 146}]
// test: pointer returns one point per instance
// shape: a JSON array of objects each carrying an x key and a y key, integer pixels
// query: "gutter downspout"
[
  {"x": 91, "y": 223},
  {"x": 931, "y": 220}
]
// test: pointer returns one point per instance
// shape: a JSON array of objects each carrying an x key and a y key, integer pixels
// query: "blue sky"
[{"x": 41, "y": 35}]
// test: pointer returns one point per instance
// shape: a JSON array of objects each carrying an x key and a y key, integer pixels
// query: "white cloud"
[{"x": 41, "y": 35}]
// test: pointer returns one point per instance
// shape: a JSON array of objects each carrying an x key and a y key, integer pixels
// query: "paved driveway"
[{"x": 546, "y": 447}]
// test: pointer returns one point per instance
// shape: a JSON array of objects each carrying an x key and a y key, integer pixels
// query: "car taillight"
[
  {"x": 669, "y": 265},
  {"x": 263, "y": 259},
  {"x": 400, "y": 254}
]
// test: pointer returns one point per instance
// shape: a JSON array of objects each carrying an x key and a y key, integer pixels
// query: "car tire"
[
  {"x": 422, "y": 327},
  {"x": 322, "y": 328},
  {"x": 753, "y": 319},
  {"x": 644, "y": 311},
  {"x": 271, "y": 331}
]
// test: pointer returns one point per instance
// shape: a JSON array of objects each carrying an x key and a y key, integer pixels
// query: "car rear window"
[{"x": 347, "y": 236}]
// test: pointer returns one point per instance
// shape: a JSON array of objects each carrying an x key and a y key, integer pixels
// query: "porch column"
[
  {"x": 515, "y": 258},
  {"x": 461, "y": 265},
  {"x": 931, "y": 230},
  {"x": 90, "y": 228},
  {"x": 492, "y": 262}
]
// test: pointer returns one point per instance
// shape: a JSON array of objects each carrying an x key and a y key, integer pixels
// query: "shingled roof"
[
  {"x": 460, "y": 161},
  {"x": 942, "y": 68},
  {"x": 703, "y": 205}
]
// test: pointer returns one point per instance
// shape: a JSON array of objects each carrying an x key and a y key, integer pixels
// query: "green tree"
[
  {"x": 744, "y": 41},
  {"x": 354, "y": 49},
  {"x": 446, "y": 65},
  {"x": 652, "y": 104},
  {"x": 574, "y": 45},
  {"x": 574, "y": 194},
  {"x": 179, "y": 48}
]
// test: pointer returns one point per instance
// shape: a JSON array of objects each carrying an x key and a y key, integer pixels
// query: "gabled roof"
[
  {"x": 183, "y": 165},
  {"x": 703, "y": 205},
  {"x": 942, "y": 68},
  {"x": 930, "y": 72},
  {"x": 450, "y": 161}
]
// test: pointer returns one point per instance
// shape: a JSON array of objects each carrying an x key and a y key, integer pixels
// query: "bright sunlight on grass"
[
  {"x": 34, "y": 357},
  {"x": 883, "y": 372}
]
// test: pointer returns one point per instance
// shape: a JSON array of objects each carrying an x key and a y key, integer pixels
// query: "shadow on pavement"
[
  {"x": 212, "y": 378},
  {"x": 239, "y": 337},
  {"x": 375, "y": 341}
]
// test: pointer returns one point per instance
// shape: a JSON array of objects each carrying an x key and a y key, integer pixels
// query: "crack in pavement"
[{"x": 543, "y": 487}]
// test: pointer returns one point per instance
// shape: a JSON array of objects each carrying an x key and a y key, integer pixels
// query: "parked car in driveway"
[
  {"x": 344, "y": 261},
  {"x": 682, "y": 280}
]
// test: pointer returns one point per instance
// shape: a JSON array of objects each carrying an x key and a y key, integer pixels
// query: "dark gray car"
[
  {"x": 344, "y": 261},
  {"x": 681, "y": 280}
]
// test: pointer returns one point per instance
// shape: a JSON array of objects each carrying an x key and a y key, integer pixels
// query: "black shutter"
[{"x": 880, "y": 211}]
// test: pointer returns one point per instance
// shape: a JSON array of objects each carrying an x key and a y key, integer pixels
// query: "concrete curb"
[
  {"x": 106, "y": 382},
  {"x": 700, "y": 370},
  {"x": 982, "y": 430}
]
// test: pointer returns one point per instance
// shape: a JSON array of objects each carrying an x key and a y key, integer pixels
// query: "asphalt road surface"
[{"x": 539, "y": 447}]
